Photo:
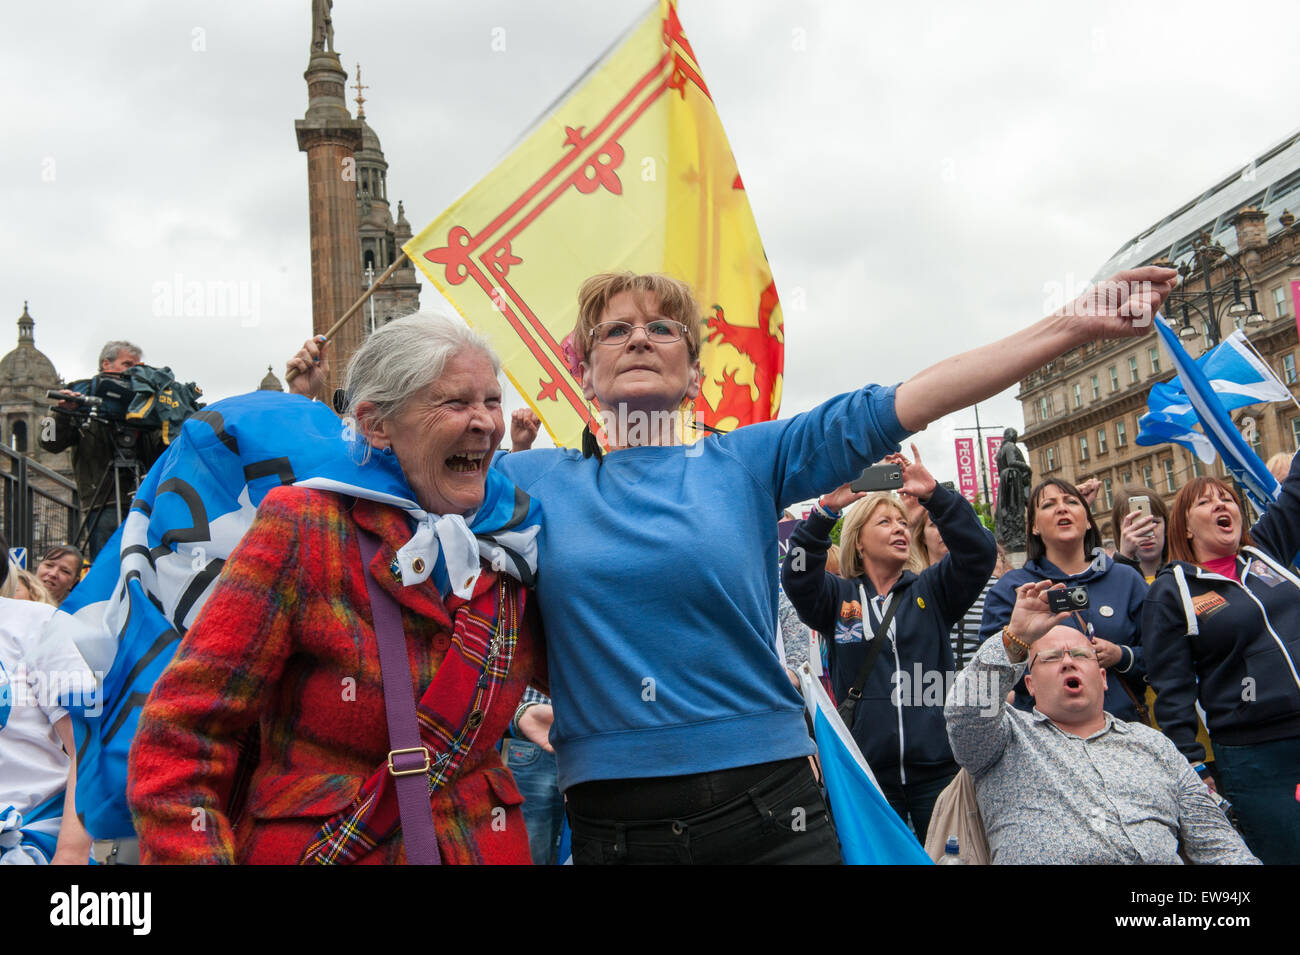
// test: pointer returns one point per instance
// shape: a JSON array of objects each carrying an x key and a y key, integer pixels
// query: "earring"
[{"x": 387, "y": 449}]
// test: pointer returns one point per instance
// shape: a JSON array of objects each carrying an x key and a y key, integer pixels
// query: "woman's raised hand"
[
  {"x": 917, "y": 481},
  {"x": 840, "y": 498},
  {"x": 1136, "y": 529},
  {"x": 1124, "y": 304}
]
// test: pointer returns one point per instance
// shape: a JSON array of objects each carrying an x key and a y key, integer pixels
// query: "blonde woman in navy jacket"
[
  {"x": 899, "y": 724},
  {"x": 1221, "y": 626}
]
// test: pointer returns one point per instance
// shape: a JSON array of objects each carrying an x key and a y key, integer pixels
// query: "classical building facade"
[{"x": 1081, "y": 411}]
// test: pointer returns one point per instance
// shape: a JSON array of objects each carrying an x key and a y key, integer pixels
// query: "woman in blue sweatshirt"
[
  {"x": 1064, "y": 545},
  {"x": 898, "y": 723},
  {"x": 677, "y": 733}
]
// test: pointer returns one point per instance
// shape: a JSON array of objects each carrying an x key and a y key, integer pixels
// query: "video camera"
[{"x": 143, "y": 399}]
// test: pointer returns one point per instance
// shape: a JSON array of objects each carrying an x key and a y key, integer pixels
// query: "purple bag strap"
[{"x": 408, "y": 760}]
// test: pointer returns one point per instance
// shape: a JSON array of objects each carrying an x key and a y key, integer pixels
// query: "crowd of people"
[{"x": 627, "y": 653}]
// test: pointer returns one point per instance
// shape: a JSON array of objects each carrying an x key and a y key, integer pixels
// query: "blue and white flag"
[
  {"x": 148, "y": 585},
  {"x": 870, "y": 832},
  {"x": 1237, "y": 377},
  {"x": 1205, "y": 390}
]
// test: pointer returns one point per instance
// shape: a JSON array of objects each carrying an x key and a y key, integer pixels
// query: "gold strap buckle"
[{"x": 393, "y": 770}]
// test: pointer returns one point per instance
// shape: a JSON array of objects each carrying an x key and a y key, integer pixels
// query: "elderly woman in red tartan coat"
[{"x": 280, "y": 675}]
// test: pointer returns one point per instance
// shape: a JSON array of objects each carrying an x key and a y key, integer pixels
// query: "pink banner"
[
  {"x": 994, "y": 443},
  {"x": 966, "y": 482},
  {"x": 1295, "y": 303}
]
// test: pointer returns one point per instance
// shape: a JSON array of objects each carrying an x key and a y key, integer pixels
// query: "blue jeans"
[
  {"x": 1262, "y": 781},
  {"x": 536, "y": 776}
]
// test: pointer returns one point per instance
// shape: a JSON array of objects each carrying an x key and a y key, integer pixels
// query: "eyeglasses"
[
  {"x": 1056, "y": 656},
  {"x": 662, "y": 330}
]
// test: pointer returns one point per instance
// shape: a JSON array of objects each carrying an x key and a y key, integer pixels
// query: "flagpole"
[
  {"x": 1255, "y": 352},
  {"x": 292, "y": 373}
]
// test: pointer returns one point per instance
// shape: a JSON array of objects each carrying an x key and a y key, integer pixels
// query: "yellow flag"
[{"x": 630, "y": 171}]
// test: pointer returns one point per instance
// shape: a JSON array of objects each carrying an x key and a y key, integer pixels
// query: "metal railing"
[{"x": 40, "y": 506}]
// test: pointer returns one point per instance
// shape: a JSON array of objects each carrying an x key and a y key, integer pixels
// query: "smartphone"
[
  {"x": 880, "y": 477},
  {"x": 1141, "y": 504}
]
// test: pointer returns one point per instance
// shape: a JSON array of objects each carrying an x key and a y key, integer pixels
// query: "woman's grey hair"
[{"x": 405, "y": 356}]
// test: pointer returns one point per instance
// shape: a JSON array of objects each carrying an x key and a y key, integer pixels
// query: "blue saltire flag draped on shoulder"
[
  {"x": 148, "y": 585},
  {"x": 1204, "y": 391},
  {"x": 870, "y": 832}
]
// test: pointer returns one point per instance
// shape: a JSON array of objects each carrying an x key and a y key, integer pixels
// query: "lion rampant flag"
[{"x": 630, "y": 171}]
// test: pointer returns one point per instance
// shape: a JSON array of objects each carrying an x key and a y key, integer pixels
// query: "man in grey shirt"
[{"x": 1069, "y": 783}]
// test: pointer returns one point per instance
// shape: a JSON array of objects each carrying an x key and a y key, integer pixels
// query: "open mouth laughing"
[{"x": 467, "y": 462}]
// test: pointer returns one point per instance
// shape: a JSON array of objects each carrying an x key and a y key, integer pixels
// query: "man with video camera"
[{"x": 108, "y": 452}]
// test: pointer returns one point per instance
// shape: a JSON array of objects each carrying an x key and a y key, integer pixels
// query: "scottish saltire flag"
[
  {"x": 148, "y": 585},
  {"x": 1228, "y": 377},
  {"x": 870, "y": 832},
  {"x": 1237, "y": 377},
  {"x": 630, "y": 170}
]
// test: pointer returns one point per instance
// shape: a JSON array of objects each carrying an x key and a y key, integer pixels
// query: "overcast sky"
[{"x": 923, "y": 175}]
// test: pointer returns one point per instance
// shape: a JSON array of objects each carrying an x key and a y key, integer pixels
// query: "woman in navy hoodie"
[
  {"x": 898, "y": 723},
  {"x": 1064, "y": 545},
  {"x": 1222, "y": 626}
]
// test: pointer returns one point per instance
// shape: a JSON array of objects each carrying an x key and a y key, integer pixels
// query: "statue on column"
[
  {"x": 322, "y": 26},
  {"x": 1013, "y": 492}
]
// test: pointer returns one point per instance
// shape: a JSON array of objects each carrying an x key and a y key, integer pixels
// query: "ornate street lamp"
[{"x": 1206, "y": 254}]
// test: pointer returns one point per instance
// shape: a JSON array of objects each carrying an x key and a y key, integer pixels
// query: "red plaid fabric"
[
  {"x": 285, "y": 649},
  {"x": 450, "y": 714}
]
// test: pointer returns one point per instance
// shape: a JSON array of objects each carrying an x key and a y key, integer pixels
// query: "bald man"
[{"x": 1069, "y": 783}]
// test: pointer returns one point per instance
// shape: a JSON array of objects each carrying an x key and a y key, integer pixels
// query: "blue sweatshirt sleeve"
[
  {"x": 814, "y": 594},
  {"x": 819, "y": 450},
  {"x": 1277, "y": 533},
  {"x": 956, "y": 581},
  {"x": 1172, "y": 669}
]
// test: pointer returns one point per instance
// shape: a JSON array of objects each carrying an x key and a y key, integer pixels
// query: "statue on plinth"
[
  {"x": 322, "y": 26},
  {"x": 1014, "y": 477}
]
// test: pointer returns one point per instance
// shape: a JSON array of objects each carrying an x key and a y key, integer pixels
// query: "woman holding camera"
[
  {"x": 1063, "y": 545},
  {"x": 1222, "y": 628},
  {"x": 898, "y": 722}
]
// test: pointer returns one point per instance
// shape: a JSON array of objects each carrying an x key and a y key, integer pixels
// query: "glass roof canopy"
[{"x": 1271, "y": 182}]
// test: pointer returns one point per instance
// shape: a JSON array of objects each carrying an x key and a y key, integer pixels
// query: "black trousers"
[{"x": 768, "y": 815}]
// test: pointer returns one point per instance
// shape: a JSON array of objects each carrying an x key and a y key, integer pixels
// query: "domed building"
[
  {"x": 25, "y": 375},
  {"x": 270, "y": 382}
]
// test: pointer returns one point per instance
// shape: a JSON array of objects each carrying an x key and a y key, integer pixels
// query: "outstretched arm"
[{"x": 1120, "y": 307}]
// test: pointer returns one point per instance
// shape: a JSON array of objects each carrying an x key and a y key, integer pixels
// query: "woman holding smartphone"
[
  {"x": 886, "y": 626},
  {"x": 1139, "y": 517}
]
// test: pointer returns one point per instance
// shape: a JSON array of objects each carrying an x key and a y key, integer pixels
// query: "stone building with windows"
[{"x": 1082, "y": 410}]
